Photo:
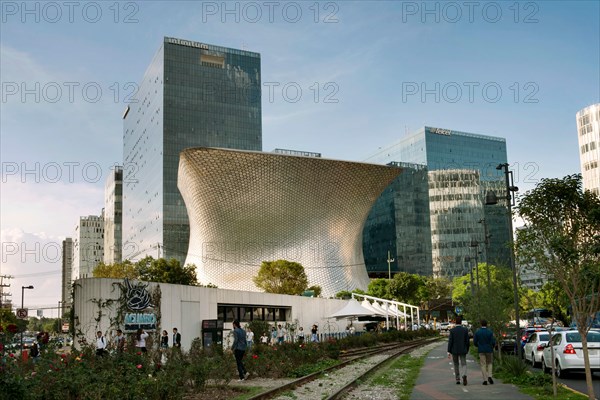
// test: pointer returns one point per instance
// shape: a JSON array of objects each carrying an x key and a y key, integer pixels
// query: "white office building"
[
  {"x": 588, "y": 129},
  {"x": 88, "y": 246}
]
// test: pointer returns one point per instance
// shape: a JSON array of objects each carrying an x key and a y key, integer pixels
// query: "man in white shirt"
[{"x": 100, "y": 344}]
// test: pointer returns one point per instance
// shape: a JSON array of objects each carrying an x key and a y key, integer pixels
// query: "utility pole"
[{"x": 3, "y": 285}]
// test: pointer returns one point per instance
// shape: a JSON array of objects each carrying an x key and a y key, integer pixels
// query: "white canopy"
[
  {"x": 351, "y": 309},
  {"x": 365, "y": 303}
]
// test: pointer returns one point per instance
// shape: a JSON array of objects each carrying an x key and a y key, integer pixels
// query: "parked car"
[
  {"x": 524, "y": 334},
  {"x": 568, "y": 352},
  {"x": 535, "y": 346},
  {"x": 507, "y": 340}
]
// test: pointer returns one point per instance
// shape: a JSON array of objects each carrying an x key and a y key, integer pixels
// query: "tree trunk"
[{"x": 588, "y": 371}]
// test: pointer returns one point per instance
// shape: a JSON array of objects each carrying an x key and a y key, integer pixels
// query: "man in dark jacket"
[
  {"x": 485, "y": 342},
  {"x": 239, "y": 348},
  {"x": 458, "y": 347}
]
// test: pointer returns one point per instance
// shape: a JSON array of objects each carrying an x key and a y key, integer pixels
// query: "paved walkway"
[{"x": 436, "y": 381}]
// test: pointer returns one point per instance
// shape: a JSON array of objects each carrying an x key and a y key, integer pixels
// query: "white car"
[
  {"x": 534, "y": 347},
  {"x": 568, "y": 352}
]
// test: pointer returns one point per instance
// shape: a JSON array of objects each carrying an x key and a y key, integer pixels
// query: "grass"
[
  {"x": 536, "y": 384},
  {"x": 250, "y": 392},
  {"x": 400, "y": 375}
]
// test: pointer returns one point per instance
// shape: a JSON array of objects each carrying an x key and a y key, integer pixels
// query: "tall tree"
[
  {"x": 561, "y": 239},
  {"x": 125, "y": 269},
  {"x": 170, "y": 271},
  {"x": 407, "y": 288},
  {"x": 281, "y": 277},
  {"x": 380, "y": 288}
]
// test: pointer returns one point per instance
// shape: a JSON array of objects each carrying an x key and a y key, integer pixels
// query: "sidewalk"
[{"x": 436, "y": 381}]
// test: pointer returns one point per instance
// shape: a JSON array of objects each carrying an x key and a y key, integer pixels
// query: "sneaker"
[
  {"x": 240, "y": 380},
  {"x": 484, "y": 382},
  {"x": 464, "y": 380},
  {"x": 247, "y": 375},
  {"x": 490, "y": 380},
  {"x": 458, "y": 381}
]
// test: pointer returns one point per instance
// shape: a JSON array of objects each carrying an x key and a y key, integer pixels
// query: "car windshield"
[
  {"x": 543, "y": 336},
  {"x": 575, "y": 337}
]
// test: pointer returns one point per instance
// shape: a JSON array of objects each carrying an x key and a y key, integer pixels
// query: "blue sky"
[{"x": 367, "y": 71}]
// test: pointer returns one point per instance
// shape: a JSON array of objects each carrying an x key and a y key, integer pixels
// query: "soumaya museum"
[{"x": 196, "y": 185}]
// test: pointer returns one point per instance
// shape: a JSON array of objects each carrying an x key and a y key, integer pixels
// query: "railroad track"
[{"x": 381, "y": 355}]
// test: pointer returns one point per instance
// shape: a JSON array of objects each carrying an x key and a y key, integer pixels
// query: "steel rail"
[{"x": 305, "y": 379}]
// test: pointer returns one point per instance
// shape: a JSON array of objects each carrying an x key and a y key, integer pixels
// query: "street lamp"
[
  {"x": 487, "y": 250},
  {"x": 23, "y": 306},
  {"x": 390, "y": 260},
  {"x": 490, "y": 199}
]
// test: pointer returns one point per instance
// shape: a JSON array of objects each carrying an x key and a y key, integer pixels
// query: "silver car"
[
  {"x": 534, "y": 347},
  {"x": 568, "y": 352}
]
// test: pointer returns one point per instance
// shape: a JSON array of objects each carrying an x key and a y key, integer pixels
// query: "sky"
[{"x": 339, "y": 78}]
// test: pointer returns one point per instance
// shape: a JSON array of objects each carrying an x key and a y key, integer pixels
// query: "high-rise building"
[
  {"x": 461, "y": 169},
  {"x": 67, "y": 266},
  {"x": 192, "y": 94},
  {"x": 113, "y": 216},
  {"x": 398, "y": 224},
  {"x": 88, "y": 246},
  {"x": 588, "y": 128}
]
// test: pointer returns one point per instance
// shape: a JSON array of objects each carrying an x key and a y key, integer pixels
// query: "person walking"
[
  {"x": 164, "y": 340},
  {"x": 280, "y": 334},
  {"x": 120, "y": 341},
  {"x": 100, "y": 344},
  {"x": 300, "y": 335},
  {"x": 140, "y": 341},
  {"x": 249, "y": 337},
  {"x": 239, "y": 349},
  {"x": 458, "y": 347},
  {"x": 176, "y": 339},
  {"x": 485, "y": 342},
  {"x": 314, "y": 330}
]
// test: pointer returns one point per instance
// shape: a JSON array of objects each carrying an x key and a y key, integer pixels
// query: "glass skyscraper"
[
  {"x": 461, "y": 169},
  {"x": 399, "y": 224},
  {"x": 192, "y": 94}
]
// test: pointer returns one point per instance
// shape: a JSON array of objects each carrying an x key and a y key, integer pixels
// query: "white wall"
[{"x": 184, "y": 307}]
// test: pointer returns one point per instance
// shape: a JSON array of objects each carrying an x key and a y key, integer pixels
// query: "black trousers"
[{"x": 239, "y": 354}]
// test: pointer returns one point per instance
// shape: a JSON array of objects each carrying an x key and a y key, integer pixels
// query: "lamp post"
[
  {"x": 486, "y": 243},
  {"x": 23, "y": 306},
  {"x": 390, "y": 260},
  {"x": 490, "y": 199}
]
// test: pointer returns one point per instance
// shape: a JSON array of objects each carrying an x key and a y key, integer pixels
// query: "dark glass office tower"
[
  {"x": 399, "y": 224},
  {"x": 192, "y": 94},
  {"x": 462, "y": 168}
]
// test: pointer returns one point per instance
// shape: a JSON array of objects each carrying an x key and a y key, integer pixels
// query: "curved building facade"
[{"x": 246, "y": 207}]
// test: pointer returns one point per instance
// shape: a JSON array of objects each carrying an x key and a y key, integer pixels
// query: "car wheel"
[
  {"x": 560, "y": 373},
  {"x": 533, "y": 362}
]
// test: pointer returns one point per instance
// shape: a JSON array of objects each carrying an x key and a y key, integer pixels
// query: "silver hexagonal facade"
[{"x": 247, "y": 207}]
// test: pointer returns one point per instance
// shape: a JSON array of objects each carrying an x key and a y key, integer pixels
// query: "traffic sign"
[
  {"x": 458, "y": 310},
  {"x": 22, "y": 313}
]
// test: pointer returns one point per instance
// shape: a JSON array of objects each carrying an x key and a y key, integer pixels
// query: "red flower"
[
  {"x": 11, "y": 355},
  {"x": 12, "y": 328},
  {"x": 139, "y": 366},
  {"x": 139, "y": 353},
  {"x": 254, "y": 356},
  {"x": 63, "y": 356}
]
